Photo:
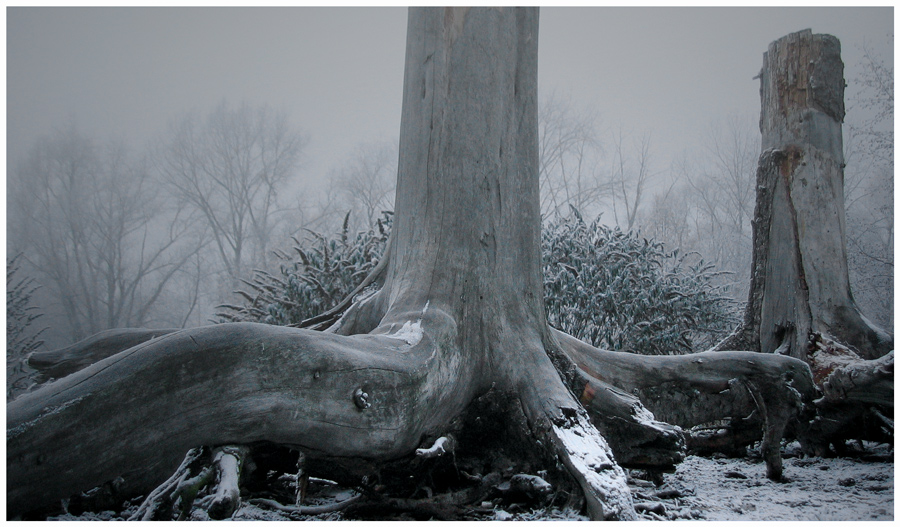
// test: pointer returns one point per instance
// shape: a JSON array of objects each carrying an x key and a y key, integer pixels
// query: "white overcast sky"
[{"x": 124, "y": 72}]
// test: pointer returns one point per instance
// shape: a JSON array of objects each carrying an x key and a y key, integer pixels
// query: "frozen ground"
[
  {"x": 854, "y": 489},
  {"x": 858, "y": 488}
]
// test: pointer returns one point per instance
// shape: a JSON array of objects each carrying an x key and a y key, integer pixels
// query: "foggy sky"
[{"x": 125, "y": 72}]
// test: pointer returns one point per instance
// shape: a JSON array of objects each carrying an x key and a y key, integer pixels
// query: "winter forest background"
[{"x": 226, "y": 213}]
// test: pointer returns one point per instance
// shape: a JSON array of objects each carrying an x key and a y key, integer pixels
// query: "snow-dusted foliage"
[
  {"x": 610, "y": 288},
  {"x": 21, "y": 336},
  {"x": 322, "y": 272},
  {"x": 619, "y": 291}
]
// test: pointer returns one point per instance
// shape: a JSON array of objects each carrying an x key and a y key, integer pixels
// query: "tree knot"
[{"x": 361, "y": 399}]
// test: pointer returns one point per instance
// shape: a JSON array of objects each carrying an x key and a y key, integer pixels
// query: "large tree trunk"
[
  {"x": 799, "y": 281},
  {"x": 460, "y": 313},
  {"x": 800, "y": 303},
  {"x": 455, "y": 340}
]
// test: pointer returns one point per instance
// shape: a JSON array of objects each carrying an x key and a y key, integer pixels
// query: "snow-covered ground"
[
  {"x": 859, "y": 488},
  {"x": 815, "y": 489}
]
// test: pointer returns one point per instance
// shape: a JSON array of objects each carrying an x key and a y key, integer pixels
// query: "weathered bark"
[
  {"x": 857, "y": 397},
  {"x": 461, "y": 315},
  {"x": 844, "y": 376},
  {"x": 800, "y": 282},
  {"x": 690, "y": 390},
  {"x": 57, "y": 364},
  {"x": 800, "y": 288},
  {"x": 864, "y": 382}
]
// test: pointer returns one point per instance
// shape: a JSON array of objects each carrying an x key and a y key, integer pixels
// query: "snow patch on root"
[
  {"x": 590, "y": 459},
  {"x": 441, "y": 446},
  {"x": 644, "y": 416},
  {"x": 411, "y": 332}
]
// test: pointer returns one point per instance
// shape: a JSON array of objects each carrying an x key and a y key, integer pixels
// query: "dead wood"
[
  {"x": 800, "y": 289},
  {"x": 57, "y": 364},
  {"x": 691, "y": 390},
  {"x": 307, "y": 510},
  {"x": 855, "y": 396}
]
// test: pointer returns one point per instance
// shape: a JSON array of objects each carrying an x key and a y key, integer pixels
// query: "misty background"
[{"x": 156, "y": 157}]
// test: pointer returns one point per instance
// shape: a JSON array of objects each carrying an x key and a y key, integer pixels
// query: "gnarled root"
[
  {"x": 218, "y": 472},
  {"x": 180, "y": 489},
  {"x": 634, "y": 434},
  {"x": 589, "y": 459},
  {"x": 846, "y": 377},
  {"x": 228, "y": 462},
  {"x": 56, "y": 364},
  {"x": 441, "y": 446},
  {"x": 366, "y": 397},
  {"x": 562, "y": 424},
  {"x": 855, "y": 394},
  {"x": 691, "y": 390}
]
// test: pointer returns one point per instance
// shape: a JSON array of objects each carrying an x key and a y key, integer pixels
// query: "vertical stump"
[{"x": 800, "y": 282}]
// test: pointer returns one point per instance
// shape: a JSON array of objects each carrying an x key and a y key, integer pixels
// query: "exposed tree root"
[
  {"x": 218, "y": 472},
  {"x": 565, "y": 429},
  {"x": 856, "y": 394},
  {"x": 844, "y": 376},
  {"x": 307, "y": 509},
  {"x": 228, "y": 462},
  {"x": 277, "y": 394},
  {"x": 180, "y": 486},
  {"x": 589, "y": 459},
  {"x": 56, "y": 364},
  {"x": 635, "y": 436},
  {"x": 691, "y": 390}
]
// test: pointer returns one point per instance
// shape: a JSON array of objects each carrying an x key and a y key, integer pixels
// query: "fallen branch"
[{"x": 306, "y": 509}]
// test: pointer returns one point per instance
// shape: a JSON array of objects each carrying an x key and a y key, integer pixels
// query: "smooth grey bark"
[
  {"x": 461, "y": 315},
  {"x": 57, "y": 364},
  {"x": 691, "y": 390},
  {"x": 800, "y": 282}
]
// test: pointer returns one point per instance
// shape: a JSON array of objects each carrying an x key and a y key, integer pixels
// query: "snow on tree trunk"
[{"x": 800, "y": 282}]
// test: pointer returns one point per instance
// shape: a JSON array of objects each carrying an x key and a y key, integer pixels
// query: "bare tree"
[
  {"x": 869, "y": 189},
  {"x": 366, "y": 183},
  {"x": 734, "y": 149},
  {"x": 721, "y": 184},
  {"x": 669, "y": 218},
  {"x": 876, "y": 99},
  {"x": 230, "y": 167},
  {"x": 569, "y": 147},
  {"x": 94, "y": 225},
  {"x": 630, "y": 174}
]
